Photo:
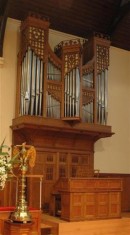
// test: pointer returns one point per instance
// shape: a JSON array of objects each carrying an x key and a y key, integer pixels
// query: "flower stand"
[{"x": 11, "y": 228}]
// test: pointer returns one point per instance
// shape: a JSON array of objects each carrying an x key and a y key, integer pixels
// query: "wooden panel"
[
  {"x": 102, "y": 205},
  {"x": 125, "y": 194},
  {"x": 33, "y": 192},
  {"x": 114, "y": 205},
  {"x": 47, "y": 190},
  {"x": 8, "y": 195},
  {"x": 65, "y": 201},
  {"x": 88, "y": 184},
  {"x": 81, "y": 206},
  {"x": 90, "y": 206},
  {"x": 76, "y": 207}
]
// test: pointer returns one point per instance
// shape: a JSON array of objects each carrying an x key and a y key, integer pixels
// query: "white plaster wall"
[
  {"x": 55, "y": 37},
  {"x": 8, "y": 72},
  {"x": 1, "y": 75},
  {"x": 111, "y": 154}
]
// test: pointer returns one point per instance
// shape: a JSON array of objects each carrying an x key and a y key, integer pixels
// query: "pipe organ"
[
  {"x": 69, "y": 83},
  {"x": 61, "y": 103}
]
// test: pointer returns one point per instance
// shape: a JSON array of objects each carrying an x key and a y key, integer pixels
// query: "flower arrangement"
[{"x": 5, "y": 164}]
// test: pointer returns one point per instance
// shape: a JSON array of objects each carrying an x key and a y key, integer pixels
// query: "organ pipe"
[
  {"x": 102, "y": 96},
  {"x": 72, "y": 93},
  {"x": 31, "y": 84},
  {"x": 69, "y": 83}
]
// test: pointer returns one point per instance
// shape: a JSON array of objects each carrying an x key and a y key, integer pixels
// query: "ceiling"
[{"x": 77, "y": 17}]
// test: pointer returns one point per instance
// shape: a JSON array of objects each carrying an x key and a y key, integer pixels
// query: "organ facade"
[
  {"x": 69, "y": 83},
  {"x": 61, "y": 109}
]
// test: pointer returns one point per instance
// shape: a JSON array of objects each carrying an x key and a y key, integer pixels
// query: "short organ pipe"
[{"x": 53, "y": 107}]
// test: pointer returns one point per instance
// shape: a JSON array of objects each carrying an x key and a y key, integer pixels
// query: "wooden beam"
[{"x": 123, "y": 10}]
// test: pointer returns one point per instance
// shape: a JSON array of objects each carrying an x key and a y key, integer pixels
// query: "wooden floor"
[{"x": 56, "y": 226}]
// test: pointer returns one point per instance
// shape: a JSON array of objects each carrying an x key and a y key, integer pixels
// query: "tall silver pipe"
[
  {"x": 106, "y": 95},
  {"x": 77, "y": 91},
  {"x": 99, "y": 97},
  {"x": 91, "y": 111},
  {"x": 37, "y": 86},
  {"x": 65, "y": 96},
  {"x": 102, "y": 97},
  {"x": 22, "y": 111},
  {"x": 28, "y": 80},
  {"x": 73, "y": 92},
  {"x": 41, "y": 88},
  {"x": 70, "y": 93},
  {"x": 33, "y": 91}
]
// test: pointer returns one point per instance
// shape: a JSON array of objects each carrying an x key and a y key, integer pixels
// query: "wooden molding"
[{"x": 95, "y": 131}]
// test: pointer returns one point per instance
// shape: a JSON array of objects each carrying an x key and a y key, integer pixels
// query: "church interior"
[{"x": 65, "y": 113}]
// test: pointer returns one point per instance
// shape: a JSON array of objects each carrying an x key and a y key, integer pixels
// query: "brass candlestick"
[{"x": 26, "y": 155}]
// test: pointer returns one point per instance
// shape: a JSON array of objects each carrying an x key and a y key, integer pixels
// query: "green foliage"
[{"x": 3, "y": 146}]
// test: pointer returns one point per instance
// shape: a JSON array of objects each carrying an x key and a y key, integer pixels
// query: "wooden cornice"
[{"x": 93, "y": 131}]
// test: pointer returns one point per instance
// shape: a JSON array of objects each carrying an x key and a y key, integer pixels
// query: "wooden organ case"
[{"x": 61, "y": 106}]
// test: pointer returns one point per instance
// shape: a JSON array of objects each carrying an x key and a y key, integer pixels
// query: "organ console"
[{"x": 69, "y": 83}]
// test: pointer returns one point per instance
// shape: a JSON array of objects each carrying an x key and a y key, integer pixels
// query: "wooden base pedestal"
[
  {"x": 17, "y": 228},
  {"x": 36, "y": 220}
]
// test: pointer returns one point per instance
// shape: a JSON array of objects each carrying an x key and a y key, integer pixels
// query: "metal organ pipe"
[
  {"x": 22, "y": 90},
  {"x": 77, "y": 85},
  {"x": 31, "y": 84},
  {"x": 87, "y": 108},
  {"x": 72, "y": 93},
  {"x": 102, "y": 98},
  {"x": 53, "y": 105},
  {"x": 37, "y": 87},
  {"x": 94, "y": 90},
  {"x": 102, "y": 86},
  {"x": 88, "y": 80},
  {"x": 28, "y": 80},
  {"x": 41, "y": 88},
  {"x": 106, "y": 95}
]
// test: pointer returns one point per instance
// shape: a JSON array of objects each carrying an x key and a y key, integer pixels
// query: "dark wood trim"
[{"x": 125, "y": 197}]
